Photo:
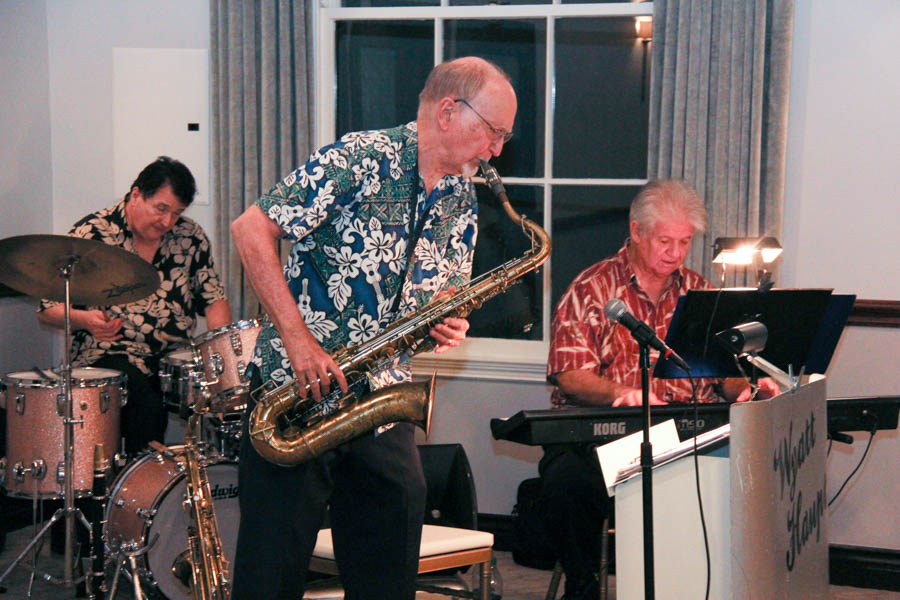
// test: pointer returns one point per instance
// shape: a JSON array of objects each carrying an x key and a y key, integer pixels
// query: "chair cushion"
[{"x": 435, "y": 540}]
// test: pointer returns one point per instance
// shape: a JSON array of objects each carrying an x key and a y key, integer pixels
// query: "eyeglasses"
[{"x": 498, "y": 134}]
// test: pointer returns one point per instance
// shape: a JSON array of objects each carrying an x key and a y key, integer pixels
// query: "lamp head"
[
  {"x": 744, "y": 250},
  {"x": 746, "y": 338}
]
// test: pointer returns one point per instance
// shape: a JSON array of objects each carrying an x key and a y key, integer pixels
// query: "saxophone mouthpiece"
[{"x": 493, "y": 180}]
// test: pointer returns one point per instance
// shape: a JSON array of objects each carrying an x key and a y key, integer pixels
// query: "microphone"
[{"x": 615, "y": 310}]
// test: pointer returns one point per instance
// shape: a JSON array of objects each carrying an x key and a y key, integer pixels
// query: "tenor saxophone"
[
  {"x": 207, "y": 562},
  {"x": 288, "y": 429}
]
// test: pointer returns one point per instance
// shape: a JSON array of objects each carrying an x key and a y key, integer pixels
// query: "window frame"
[{"x": 476, "y": 358}]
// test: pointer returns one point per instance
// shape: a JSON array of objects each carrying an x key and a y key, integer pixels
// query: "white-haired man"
[{"x": 594, "y": 362}]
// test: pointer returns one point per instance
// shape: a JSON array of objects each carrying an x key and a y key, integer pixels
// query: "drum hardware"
[
  {"x": 38, "y": 470},
  {"x": 217, "y": 366},
  {"x": 44, "y": 266},
  {"x": 98, "y": 507},
  {"x": 236, "y": 343},
  {"x": 129, "y": 554},
  {"x": 223, "y": 432}
]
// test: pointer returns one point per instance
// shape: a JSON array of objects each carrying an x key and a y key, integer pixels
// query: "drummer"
[{"x": 132, "y": 338}]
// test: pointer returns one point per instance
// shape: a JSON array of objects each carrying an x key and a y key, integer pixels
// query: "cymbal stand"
[{"x": 68, "y": 512}]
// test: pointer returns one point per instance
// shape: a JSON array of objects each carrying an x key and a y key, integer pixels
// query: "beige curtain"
[
  {"x": 718, "y": 111},
  {"x": 261, "y": 81}
]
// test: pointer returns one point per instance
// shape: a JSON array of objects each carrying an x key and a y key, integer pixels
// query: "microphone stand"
[{"x": 647, "y": 471}]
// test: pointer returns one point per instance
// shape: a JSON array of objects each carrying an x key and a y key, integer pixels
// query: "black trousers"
[
  {"x": 573, "y": 504},
  {"x": 144, "y": 416},
  {"x": 374, "y": 490}
]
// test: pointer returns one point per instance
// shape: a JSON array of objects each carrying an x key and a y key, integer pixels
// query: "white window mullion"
[
  {"x": 326, "y": 79},
  {"x": 549, "y": 112},
  {"x": 438, "y": 41}
]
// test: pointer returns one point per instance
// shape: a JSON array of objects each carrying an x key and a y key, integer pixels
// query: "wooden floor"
[{"x": 519, "y": 583}]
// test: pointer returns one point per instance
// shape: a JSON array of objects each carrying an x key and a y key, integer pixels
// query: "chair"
[
  {"x": 442, "y": 548},
  {"x": 450, "y": 543},
  {"x": 603, "y": 573}
]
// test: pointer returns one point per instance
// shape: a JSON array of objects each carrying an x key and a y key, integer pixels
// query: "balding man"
[{"x": 381, "y": 222}]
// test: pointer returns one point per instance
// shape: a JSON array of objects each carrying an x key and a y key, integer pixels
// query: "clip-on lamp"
[{"x": 746, "y": 341}]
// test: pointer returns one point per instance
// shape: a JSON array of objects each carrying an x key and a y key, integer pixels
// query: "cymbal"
[{"x": 102, "y": 275}]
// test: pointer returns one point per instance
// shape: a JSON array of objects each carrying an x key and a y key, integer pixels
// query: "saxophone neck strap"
[{"x": 415, "y": 227}]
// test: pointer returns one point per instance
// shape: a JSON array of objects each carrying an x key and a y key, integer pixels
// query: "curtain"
[
  {"x": 718, "y": 111},
  {"x": 261, "y": 109}
]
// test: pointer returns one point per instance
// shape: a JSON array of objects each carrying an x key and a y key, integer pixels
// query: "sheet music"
[{"x": 625, "y": 452}]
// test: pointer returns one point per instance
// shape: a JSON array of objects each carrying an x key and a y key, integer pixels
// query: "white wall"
[
  {"x": 82, "y": 35},
  {"x": 841, "y": 225},
  {"x": 26, "y": 202}
]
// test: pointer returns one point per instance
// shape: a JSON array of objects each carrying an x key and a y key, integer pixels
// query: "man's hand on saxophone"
[
  {"x": 312, "y": 365},
  {"x": 451, "y": 331},
  {"x": 449, "y": 334}
]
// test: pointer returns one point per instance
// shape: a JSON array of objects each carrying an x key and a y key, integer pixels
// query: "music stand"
[{"x": 804, "y": 326}]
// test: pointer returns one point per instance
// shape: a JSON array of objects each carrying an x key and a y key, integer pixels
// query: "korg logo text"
[
  {"x": 605, "y": 428},
  {"x": 688, "y": 424}
]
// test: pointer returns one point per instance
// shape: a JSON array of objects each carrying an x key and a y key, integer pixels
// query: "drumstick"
[
  {"x": 162, "y": 449},
  {"x": 43, "y": 373},
  {"x": 172, "y": 339}
]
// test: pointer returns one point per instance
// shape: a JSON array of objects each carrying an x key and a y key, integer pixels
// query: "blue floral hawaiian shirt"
[{"x": 350, "y": 211}]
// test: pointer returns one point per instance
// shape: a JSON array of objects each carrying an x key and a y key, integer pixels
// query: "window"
[{"x": 579, "y": 153}]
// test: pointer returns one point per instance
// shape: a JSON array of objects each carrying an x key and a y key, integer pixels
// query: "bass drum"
[{"x": 145, "y": 509}]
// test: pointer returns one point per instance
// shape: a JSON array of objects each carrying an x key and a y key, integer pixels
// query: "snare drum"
[
  {"x": 145, "y": 509},
  {"x": 175, "y": 370},
  {"x": 35, "y": 444},
  {"x": 225, "y": 354}
]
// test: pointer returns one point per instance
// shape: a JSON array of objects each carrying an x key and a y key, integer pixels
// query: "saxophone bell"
[{"x": 291, "y": 446}]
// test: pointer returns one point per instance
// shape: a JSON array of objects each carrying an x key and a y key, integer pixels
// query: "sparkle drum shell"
[
  {"x": 145, "y": 509},
  {"x": 224, "y": 355},
  {"x": 35, "y": 437}
]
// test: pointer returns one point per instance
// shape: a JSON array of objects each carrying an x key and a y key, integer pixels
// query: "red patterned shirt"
[{"x": 584, "y": 338}]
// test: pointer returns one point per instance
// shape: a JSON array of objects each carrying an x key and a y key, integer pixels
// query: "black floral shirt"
[{"x": 188, "y": 285}]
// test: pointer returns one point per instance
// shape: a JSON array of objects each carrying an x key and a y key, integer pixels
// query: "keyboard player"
[{"x": 594, "y": 362}]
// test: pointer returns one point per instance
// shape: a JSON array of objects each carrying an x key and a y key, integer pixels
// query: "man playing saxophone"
[{"x": 381, "y": 223}]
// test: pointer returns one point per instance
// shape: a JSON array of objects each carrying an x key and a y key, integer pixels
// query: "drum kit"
[{"x": 63, "y": 429}]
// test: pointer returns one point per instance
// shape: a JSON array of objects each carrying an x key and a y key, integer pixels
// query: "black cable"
[
  {"x": 859, "y": 464},
  {"x": 712, "y": 316},
  {"x": 697, "y": 480}
]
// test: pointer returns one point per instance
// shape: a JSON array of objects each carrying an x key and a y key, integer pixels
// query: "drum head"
[
  {"x": 185, "y": 355},
  {"x": 89, "y": 376},
  {"x": 236, "y": 326}
]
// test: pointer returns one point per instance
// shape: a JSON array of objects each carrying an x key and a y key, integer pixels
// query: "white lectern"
[{"x": 764, "y": 503}]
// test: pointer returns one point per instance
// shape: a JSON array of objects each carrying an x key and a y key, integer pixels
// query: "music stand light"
[
  {"x": 747, "y": 251},
  {"x": 746, "y": 341}
]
